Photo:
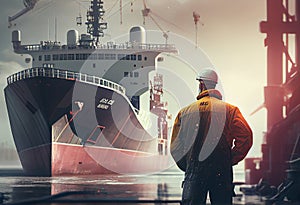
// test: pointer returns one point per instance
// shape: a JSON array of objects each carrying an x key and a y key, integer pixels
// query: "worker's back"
[
  {"x": 202, "y": 144},
  {"x": 203, "y": 134}
]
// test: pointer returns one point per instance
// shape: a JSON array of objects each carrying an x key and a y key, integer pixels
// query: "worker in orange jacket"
[{"x": 209, "y": 137}]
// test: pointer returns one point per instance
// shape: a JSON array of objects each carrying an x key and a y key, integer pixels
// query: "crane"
[
  {"x": 196, "y": 17},
  {"x": 147, "y": 13},
  {"x": 122, "y": 5},
  {"x": 29, "y": 5}
]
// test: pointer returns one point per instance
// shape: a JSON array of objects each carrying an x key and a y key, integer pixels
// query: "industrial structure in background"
[
  {"x": 279, "y": 165},
  {"x": 158, "y": 108}
]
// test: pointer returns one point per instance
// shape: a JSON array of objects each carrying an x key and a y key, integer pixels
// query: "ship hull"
[
  {"x": 64, "y": 126},
  {"x": 79, "y": 160}
]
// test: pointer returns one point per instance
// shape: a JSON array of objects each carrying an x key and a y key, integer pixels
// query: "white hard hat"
[{"x": 208, "y": 75}]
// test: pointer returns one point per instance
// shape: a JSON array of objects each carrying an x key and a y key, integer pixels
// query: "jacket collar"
[{"x": 211, "y": 93}]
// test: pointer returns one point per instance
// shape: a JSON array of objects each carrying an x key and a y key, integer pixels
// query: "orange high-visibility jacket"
[{"x": 214, "y": 118}]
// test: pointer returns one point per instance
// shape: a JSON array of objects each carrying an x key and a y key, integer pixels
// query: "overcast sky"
[{"x": 230, "y": 37}]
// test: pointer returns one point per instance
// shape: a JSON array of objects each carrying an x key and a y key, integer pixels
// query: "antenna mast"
[
  {"x": 55, "y": 32},
  {"x": 121, "y": 12},
  {"x": 95, "y": 23}
]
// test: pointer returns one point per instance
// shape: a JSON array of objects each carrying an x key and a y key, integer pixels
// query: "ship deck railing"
[
  {"x": 108, "y": 46},
  {"x": 64, "y": 74}
]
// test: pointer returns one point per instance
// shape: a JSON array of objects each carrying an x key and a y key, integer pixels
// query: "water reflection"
[
  {"x": 165, "y": 186},
  {"x": 102, "y": 188}
]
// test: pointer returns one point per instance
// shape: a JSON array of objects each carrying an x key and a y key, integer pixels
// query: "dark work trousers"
[
  {"x": 195, "y": 192},
  {"x": 212, "y": 175}
]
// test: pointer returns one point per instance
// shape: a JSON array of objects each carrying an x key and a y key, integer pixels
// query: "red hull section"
[{"x": 70, "y": 159}]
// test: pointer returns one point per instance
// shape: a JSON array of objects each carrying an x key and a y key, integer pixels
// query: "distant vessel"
[{"x": 77, "y": 110}]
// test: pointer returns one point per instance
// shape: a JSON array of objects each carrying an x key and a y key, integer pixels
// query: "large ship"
[{"x": 77, "y": 109}]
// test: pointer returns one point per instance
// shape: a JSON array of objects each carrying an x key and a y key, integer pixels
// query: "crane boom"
[{"x": 29, "y": 5}]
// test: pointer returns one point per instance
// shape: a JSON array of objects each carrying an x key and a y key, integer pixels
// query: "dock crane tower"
[{"x": 280, "y": 149}]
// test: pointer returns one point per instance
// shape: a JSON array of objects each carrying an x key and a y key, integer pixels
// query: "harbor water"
[{"x": 160, "y": 188}]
